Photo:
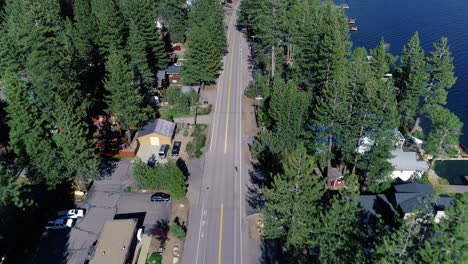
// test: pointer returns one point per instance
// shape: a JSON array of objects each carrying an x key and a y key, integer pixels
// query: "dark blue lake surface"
[{"x": 397, "y": 20}]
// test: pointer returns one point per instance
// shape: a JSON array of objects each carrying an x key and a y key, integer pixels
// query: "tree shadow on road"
[
  {"x": 107, "y": 167},
  {"x": 254, "y": 193}
]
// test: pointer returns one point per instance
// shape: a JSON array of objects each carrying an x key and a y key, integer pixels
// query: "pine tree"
[
  {"x": 369, "y": 130},
  {"x": 381, "y": 60},
  {"x": 448, "y": 242},
  {"x": 111, "y": 25},
  {"x": 174, "y": 16},
  {"x": 411, "y": 80},
  {"x": 125, "y": 101},
  {"x": 445, "y": 134},
  {"x": 441, "y": 78},
  {"x": 202, "y": 58},
  {"x": 292, "y": 203},
  {"x": 138, "y": 56},
  {"x": 340, "y": 236},
  {"x": 288, "y": 109},
  {"x": 85, "y": 25}
]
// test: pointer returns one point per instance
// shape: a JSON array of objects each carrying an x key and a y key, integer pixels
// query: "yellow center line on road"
[
  {"x": 229, "y": 95},
  {"x": 220, "y": 244}
]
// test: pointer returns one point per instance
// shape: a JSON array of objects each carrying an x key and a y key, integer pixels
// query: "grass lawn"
[
  {"x": 170, "y": 112},
  {"x": 452, "y": 170}
]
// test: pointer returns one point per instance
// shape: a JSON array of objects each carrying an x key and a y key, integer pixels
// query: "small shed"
[
  {"x": 157, "y": 132},
  {"x": 173, "y": 73},
  {"x": 335, "y": 179}
]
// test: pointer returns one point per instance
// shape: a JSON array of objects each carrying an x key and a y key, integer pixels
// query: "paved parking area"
[{"x": 105, "y": 201}]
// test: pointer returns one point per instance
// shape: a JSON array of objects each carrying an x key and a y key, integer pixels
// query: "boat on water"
[
  {"x": 353, "y": 28},
  {"x": 345, "y": 6},
  {"x": 351, "y": 21}
]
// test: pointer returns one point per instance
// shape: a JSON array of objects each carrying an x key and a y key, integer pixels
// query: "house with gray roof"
[
  {"x": 406, "y": 165},
  {"x": 157, "y": 132}
]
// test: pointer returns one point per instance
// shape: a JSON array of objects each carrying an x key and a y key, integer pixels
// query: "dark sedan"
[
  {"x": 176, "y": 149},
  {"x": 160, "y": 197}
]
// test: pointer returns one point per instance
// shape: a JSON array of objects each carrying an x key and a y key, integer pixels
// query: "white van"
[{"x": 163, "y": 151}]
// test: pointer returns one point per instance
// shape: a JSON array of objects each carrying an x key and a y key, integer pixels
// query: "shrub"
[
  {"x": 154, "y": 259},
  {"x": 166, "y": 178},
  {"x": 128, "y": 189},
  {"x": 177, "y": 231}
]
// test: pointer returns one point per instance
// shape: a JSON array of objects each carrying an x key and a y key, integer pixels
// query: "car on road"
[
  {"x": 62, "y": 223},
  {"x": 72, "y": 213},
  {"x": 160, "y": 197},
  {"x": 163, "y": 151},
  {"x": 228, "y": 6},
  {"x": 176, "y": 149}
]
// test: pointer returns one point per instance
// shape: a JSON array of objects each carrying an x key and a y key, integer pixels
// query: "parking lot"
[{"x": 105, "y": 201}]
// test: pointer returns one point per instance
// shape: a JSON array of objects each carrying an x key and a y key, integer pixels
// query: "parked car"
[
  {"x": 61, "y": 223},
  {"x": 163, "y": 151},
  {"x": 72, "y": 213},
  {"x": 228, "y": 5},
  {"x": 160, "y": 197},
  {"x": 177, "y": 48},
  {"x": 176, "y": 149}
]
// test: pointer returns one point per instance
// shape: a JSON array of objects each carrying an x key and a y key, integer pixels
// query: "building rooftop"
[
  {"x": 115, "y": 242},
  {"x": 407, "y": 161},
  {"x": 158, "y": 126},
  {"x": 173, "y": 69}
]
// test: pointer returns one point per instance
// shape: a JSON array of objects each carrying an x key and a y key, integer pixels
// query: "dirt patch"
[
  {"x": 249, "y": 123},
  {"x": 174, "y": 247},
  {"x": 255, "y": 222}
]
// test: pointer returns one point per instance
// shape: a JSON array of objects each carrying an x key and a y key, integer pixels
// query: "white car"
[
  {"x": 61, "y": 223},
  {"x": 72, "y": 213}
]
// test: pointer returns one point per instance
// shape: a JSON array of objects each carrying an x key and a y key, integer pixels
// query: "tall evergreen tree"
[
  {"x": 202, "y": 60},
  {"x": 441, "y": 78},
  {"x": 445, "y": 134},
  {"x": 448, "y": 242},
  {"x": 288, "y": 109},
  {"x": 340, "y": 236},
  {"x": 292, "y": 203},
  {"x": 112, "y": 31},
  {"x": 85, "y": 24},
  {"x": 174, "y": 17},
  {"x": 411, "y": 81},
  {"x": 381, "y": 60},
  {"x": 138, "y": 55},
  {"x": 125, "y": 101}
]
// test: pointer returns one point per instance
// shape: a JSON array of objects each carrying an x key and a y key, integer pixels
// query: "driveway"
[{"x": 105, "y": 201}]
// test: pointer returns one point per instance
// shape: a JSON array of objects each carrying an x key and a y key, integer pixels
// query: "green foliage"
[
  {"x": 176, "y": 230},
  {"x": 125, "y": 101},
  {"x": 128, "y": 189},
  {"x": 207, "y": 43},
  {"x": 112, "y": 31},
  {"x": 174, "y": 16},
  {"x": 166, "y": 178},
  {"x": 288, "y": 110},
  {"x": 194, "y": 148},
  {"x": 411, "y": 80},
  {"x": 155, "y": 258},
  {"x": 292, "y": 203},
  {"x": 424, "y": 179},
  {"x": 183, "y": 101},
  {"x": 444, "y": 137},
  {"x": 85, "y": 25},
  {"x": 11, "y": 192}
]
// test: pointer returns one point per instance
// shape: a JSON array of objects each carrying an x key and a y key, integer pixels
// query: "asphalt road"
[{"x": 217, "y": 226}]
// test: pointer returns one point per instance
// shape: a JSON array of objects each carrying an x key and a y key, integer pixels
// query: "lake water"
[{"x": 397, "y": 20}]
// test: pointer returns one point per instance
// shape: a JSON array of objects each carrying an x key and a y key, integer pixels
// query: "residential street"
[{"x": 217, "y": 226}]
